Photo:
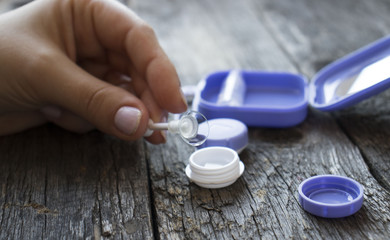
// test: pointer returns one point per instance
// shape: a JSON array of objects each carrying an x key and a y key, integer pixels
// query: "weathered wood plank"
[
  {"x": 61, "y": 185},
  {"x": 298, "y": 36},
  {"x": 330, "y": 31},
  {"x": 315, "y": 34},
  {"x": 263, "y": 203},
  {"x": 367, "y": 125},
  {"x": 201, "y": 37},
  {"x": 56, "y": 184}
]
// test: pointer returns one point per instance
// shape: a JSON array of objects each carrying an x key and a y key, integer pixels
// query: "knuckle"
[
  {"x": 39, "y": 61},
  {"x": 95, "y": 100},
  {"x": 34, "y": 74},
  {"x": 145, "y": 29}
]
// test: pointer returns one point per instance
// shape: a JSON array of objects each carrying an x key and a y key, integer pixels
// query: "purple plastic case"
[
  {"x": 226, "y": 132},
  {"x": 281, "y": 99},
  {"x": 330, "y": 196},
  {"x": 271, "y": 100},
  {"x": 338, "y": 73}
]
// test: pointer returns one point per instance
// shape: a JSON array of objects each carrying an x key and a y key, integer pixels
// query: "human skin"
[{"x": 84, "y": 64}]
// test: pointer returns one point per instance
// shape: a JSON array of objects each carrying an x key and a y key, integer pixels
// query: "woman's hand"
[{"x": 83, "y": 64}]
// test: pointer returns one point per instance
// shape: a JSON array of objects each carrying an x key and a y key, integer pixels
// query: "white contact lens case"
[{"x": 214, "y": 167}]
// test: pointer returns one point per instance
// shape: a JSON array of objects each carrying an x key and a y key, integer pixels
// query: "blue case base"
[{"x": 270, "y": 99}]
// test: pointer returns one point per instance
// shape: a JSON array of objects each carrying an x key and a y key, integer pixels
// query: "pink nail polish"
[{"x": 127, "y": 119}]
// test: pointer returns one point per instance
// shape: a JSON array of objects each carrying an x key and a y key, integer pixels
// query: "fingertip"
[
  {"x": 130, "y": 122},
  {"x": 183, "y": 105},
  {"x": 127, "y": 120},
  {"x": 169, "y": 94},
  {"x": 158, "y": 137}
]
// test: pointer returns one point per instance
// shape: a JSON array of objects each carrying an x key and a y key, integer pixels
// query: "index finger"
[{"x": 119, "y": 29}]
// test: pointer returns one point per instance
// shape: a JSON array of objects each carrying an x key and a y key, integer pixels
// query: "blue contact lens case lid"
[
  {"x": 330, "y": 196},
  {"x": 351, "y": 79},
  {"x": 225, "y": 132},
  {"x": 277, "y": 99}
]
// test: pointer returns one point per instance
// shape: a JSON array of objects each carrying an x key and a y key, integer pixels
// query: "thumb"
[{"x": 111, "y": 109}]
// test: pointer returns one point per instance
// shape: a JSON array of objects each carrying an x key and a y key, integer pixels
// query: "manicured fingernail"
[
  {"x": 127, "y": 119},
  {"x": 51, "y": 111},
  {"x": 149, "y": 131}
]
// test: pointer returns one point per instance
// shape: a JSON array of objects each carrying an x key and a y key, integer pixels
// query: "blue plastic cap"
[
  {"x": 226, "y": 132},
  {"x": 330, "y": 196}
]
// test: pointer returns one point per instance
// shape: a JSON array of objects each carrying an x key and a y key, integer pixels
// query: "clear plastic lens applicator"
[{"x": 187, "y": 127}]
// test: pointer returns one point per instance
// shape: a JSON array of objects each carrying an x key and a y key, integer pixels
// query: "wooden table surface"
[{"x": 58, "y": 185}]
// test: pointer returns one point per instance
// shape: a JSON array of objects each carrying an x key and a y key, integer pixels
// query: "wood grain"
[
  {"x": 272, "y": 35},
  {"x": 55, "y": 184}
]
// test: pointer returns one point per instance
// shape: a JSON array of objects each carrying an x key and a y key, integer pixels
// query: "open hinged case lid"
[{"x": 272, "y": 99}]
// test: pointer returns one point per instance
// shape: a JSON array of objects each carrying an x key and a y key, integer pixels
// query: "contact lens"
[{"x": 187, "y": 126}]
